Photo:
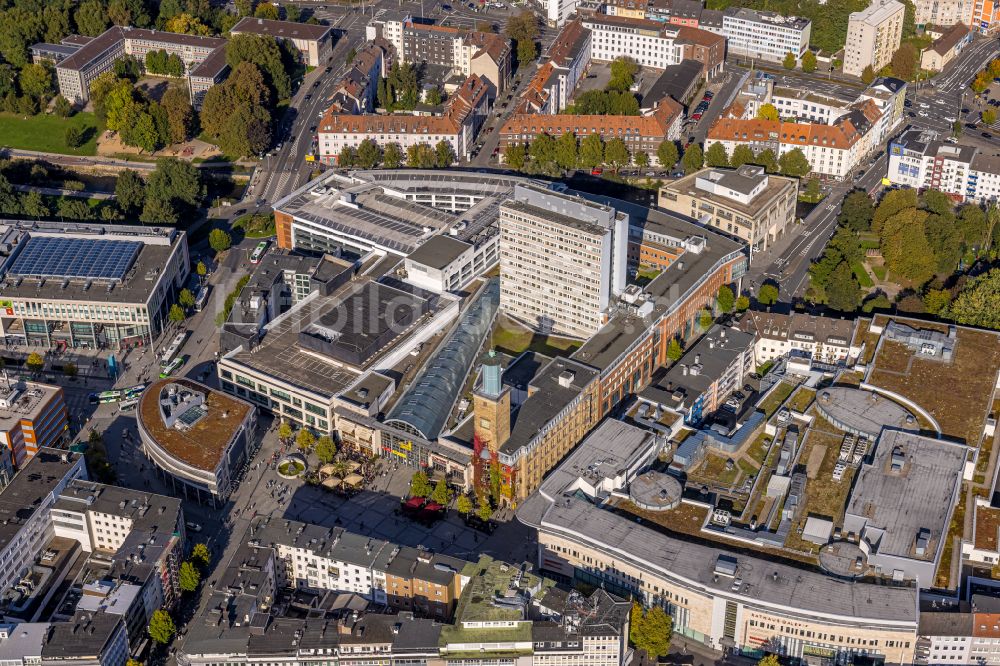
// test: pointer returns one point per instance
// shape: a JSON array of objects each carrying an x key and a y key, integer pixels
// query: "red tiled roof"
[
  {"x": 654, "y": 125},
  {"x": 842, "y": 135}
]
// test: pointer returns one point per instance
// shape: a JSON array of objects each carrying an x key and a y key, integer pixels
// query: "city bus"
[
  {"x": 105, "y": 397},
  {"x": 128, "y": 405},
  {"x": 258, "y": 252},
  {"x": 133, "y": 391},
  {"x": 172, "y": 367},
  {"x": 171, "y": 352},
  {"x": 202, "y": 299}
]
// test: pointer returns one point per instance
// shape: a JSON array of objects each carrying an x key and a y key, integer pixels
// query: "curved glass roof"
[{"x": 425, "y": 406}]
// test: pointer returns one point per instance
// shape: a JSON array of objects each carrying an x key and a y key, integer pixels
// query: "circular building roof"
[
  {"x": 655, "y": 491},
  {"x": 862, "y": 412},
  {"x": 843, "y": 558}
]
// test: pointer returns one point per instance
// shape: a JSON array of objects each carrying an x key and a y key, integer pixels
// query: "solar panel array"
[{"x": 49, "y": 257}]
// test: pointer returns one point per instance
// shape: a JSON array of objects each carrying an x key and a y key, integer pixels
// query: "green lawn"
[
  {"x": 861, "y": 274},
  {"x": 510, "y": 338},
  {"x": 879, "y": 271},
  {"x": 47, "y": 133}
]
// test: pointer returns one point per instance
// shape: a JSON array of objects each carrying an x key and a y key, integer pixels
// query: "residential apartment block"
[
  {"x": 823, "y": 339},
  {"x": 764, "y": 35},
  {"x": 919, "y": 160},
  {"x": 746, "y": 203},
  {"x": 358, "y": 88},
  {"x": 985, "y": 16},
  {"x": 555, "y": 81},
  {"x": 76, "y": 72},
  {"x": 943, "y": 12},
  {"x": 873, "y": 35},
  {"x": 458, "y": 126},
  {"x": 32, "y": 416},
  {"x": 313, "y": 42},
  {"x": 562, "y": 260},
  {"x": 946, "y": 48},
  {"x": 640, "y": 133}
]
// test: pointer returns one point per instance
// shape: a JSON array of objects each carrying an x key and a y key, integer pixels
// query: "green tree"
[
  {"x": 186, "y": 299},
  {"x": 936, "y": 301},
  {"x": 421, "y": 156},
  {"x": 674, "y": 350},
  {"x": 433, "y": 96},
  {"x": 515, "y": 156},
  {"x": 989, "y": 116},
  {"x": 392, "y": 157},
  {"x": 201, "y": 269},
  {"x": 705, "y": 320},
  {"x": 716, "y": 155},
  {"x": 347, "y": 158},
  {"x": 264, "y": 53},
  {"x": 201, "y": 556},
  {"x": 419, "y": 485},
  {"x": 326, "y": 450},
  {"x": 523, "y": 29},
  {"x": 35, "y": 362},
  {"x": 464, "y": 505},
  {"x": 176, "y": 182},
  {"x": 158, "y": 211},
  {"x": 266, "y": 10},
  {"x": 285, "y": 432},
  {"x": 219, "y": 240},
  {"x": 767, "y": 294},
  {"x": 666, "y": 154},
  {"x": 36, "y": 82},
  {"x": 642, "y": 159},
  {"x": 769, "y": 660},
  {"x": 161, "y": 627},
  {"x": 351, "y": 55},
  {"x": 236, "y": 114},
  {"x": 650, "y": 631},
  {"x": 91, "y": 18},
  {"x": 856, "y": 212},
  {"x": 808, "y": 62},
  {"x": 176, "y": 314},
  {"x": 616, "y": 153},
  {"x": 73, "y": 209},
  {"x": 767, "y": 159},
  {"x": 34, "y": 205},
  {"x": 789, "y": 61},
  {"x": 978, "y": 303},
  {"x": 767, "y": 112},
  {"x": 368, "y": 155},
  {"x": 693, "y": 159},
  {"x": 742, "y": 154},
  {"x": 70, "y": 370},
  {"x": 441, "y": 494},
  {"x": 905, "y": 61},
  {"x": 62, "y": 107},
  {"x": 305, "y": 439},
  {"x": 74, "y": 137},
  {"x": 186, "y": 24},
  {"x": 591, "y": 151},
  {"x": 623, "y": 71},
  {"x": 180, "y": 115},
  {"x": 725, "y": 299},
  {"x": 188, "y": 577},
  {"x": 484, "y": 512},
  {"x": 812, "y": 191},
  {"x": 565, "y": 152},
  {"x": 742, "y": 303},
  {"x": 842, "y": 290},
  {"x": 905, "y": 248},
  {"x": 867, "y": 74},
  {"x": 130, "y": 190},
  {"x": 444, "y": 154},
  {"x": 794, "y": 163}
]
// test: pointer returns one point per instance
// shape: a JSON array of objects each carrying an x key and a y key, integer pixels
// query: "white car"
[
  {"x": 194, "y": 527},
  {"x": 949, "y": 119}
]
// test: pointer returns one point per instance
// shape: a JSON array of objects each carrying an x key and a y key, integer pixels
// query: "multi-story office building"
[
  {"x": 459, "y": 125},
  {"x": 76, "y": 72},
  {"x": 746, "y": 203},
  {"x": 67, "y": 285},
  {"x": 26, "y": 503},
  {"x": 562, "y": 260},
  {"x": 32, "y": 416},
  {"x": 652, "y": 43},
  {"x": 873, "y": 35},
  {"x": 313, "y": 42},
  {"x": 764, "y": 35},
  {"x": 196, "y": 438}
]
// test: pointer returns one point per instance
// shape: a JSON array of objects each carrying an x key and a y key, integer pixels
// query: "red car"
[{"x": 597, "y": 171}]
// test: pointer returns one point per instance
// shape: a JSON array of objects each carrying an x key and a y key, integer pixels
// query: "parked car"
[
  {"x": 596, "y": 171},
  {"x": 194, "y": 527}
]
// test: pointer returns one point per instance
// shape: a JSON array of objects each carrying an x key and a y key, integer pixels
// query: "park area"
[
  {"x": 512, "y": 338},
  {"x": 47, "y": 133}
]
